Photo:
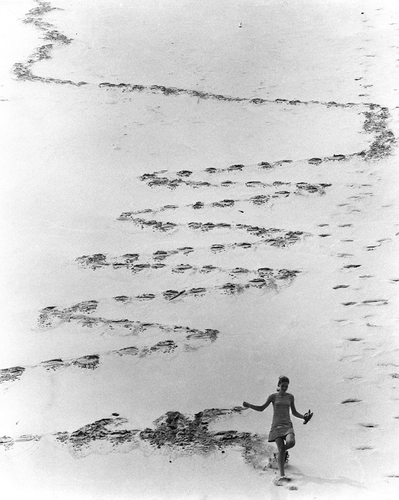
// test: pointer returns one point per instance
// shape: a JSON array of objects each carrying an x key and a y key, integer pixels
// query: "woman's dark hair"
[{"x": 282, "y": 379}]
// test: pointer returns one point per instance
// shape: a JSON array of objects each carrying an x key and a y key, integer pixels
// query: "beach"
[{"x": 197, "y": 198}]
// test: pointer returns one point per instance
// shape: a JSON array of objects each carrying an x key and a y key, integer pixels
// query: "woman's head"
[{"x": 283, "y": 382}]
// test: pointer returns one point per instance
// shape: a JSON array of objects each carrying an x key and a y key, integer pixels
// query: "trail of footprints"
[
  {"x": 272, "y": 236},
  {"x": 186, "y": 339},
  {"x": 360, "y": 343},
  {"x": 264, "y": 276},
  {"x": 258, "y": 200},
  {"x": 172, "y": 180},
  {"x": 82, "y": 314}
]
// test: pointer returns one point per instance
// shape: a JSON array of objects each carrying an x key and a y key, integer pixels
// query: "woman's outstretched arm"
[
  {"x": 259, "y": 408},
  {"x": 294, "y": 410}
]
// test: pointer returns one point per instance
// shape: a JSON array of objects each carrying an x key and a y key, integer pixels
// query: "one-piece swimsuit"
[{"x": 281, "y": 424}]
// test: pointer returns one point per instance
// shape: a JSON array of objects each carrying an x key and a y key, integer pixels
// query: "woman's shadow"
[{"x": 304, "y": 479}]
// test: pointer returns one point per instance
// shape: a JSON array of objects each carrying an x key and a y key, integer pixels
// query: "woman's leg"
[
  {"x": 289, "y": 441},
  {"x": 281, "y": 455}
]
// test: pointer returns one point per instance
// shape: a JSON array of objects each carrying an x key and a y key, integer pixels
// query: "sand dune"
[{"x": 199, "y": 197}]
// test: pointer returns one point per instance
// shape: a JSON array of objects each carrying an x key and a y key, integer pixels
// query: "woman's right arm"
[{"x": 259, "y": 408}]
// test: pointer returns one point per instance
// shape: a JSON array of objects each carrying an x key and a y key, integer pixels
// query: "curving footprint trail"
[{"x": 376, "y": 116}]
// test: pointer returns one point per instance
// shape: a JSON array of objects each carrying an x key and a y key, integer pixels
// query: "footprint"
[
  {"x": 94, "y": 261},
  {"x": 236, "y": 167},
  {"x": 375, "y": 302},
  {"x": 90, "y": 362},
  {"x": 338, "y": 157},
  {"x": 172, "y": 294},
  {"x": 7, "y": 442},
  {"x": 243, "y": 245},
  {"x": 315, "y": 161},
  {"x": 224, "y": 203},
  {"x": 27, "y": 437},
  {"x": 162, "y": 254},
  {"x": 181, "y": 268},
  {"x": 217, "y": 248},
  {"x": 196, "y": 291},
  {"x": 11, "y": 374},
  {"x": 232, "y": 288},
  {"x": 146, "y": 296},
  {"x": 239, "y": 270}
]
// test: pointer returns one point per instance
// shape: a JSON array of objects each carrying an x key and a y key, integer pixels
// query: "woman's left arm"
[{"x": 294, "y": 410}]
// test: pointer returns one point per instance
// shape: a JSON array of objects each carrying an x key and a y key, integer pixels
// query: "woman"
[{"x": 282, "y": 431}]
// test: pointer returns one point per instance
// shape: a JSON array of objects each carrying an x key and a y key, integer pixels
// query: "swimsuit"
[{"x": 281, "y": 424}]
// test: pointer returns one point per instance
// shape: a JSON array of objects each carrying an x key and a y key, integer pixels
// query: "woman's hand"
[{"x": 308, "y": 415}]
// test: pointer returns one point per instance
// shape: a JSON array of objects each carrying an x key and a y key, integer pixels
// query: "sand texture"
[{"x": 198, "y": 197}]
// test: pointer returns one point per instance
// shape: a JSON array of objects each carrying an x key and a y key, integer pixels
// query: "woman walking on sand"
[{"x": 282, "y": 431}]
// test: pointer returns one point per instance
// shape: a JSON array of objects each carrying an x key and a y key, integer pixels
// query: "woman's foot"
[{"x": 280, "y": 481}]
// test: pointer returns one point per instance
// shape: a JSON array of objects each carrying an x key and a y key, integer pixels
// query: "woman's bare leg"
[
  {"x": 289, "y": 441},
  {"x": 281, "y": 455}
]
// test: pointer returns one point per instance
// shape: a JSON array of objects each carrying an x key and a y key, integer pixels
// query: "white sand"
[{"x": 72, "y": 160}]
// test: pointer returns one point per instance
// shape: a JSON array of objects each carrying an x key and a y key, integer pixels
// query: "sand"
[{"x": 198, "y": 197}]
